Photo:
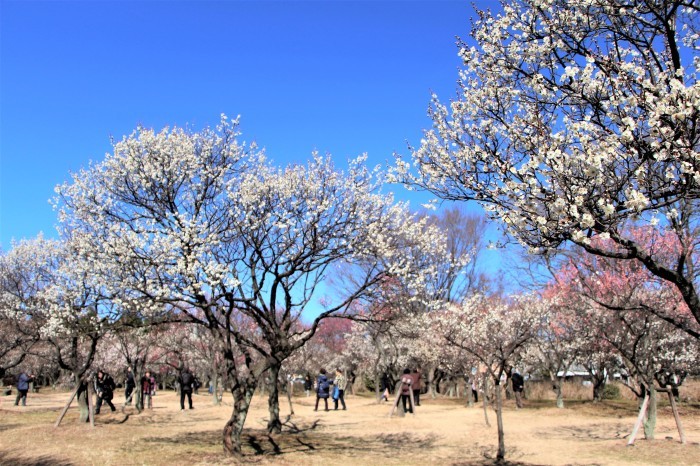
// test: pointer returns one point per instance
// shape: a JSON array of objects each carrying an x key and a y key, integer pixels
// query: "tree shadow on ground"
[
  {"x": 206, "y": 438},
  {"x": 494, "y": 462},
  {"x": 9, "y": 459},
  {"x": 8, "y": 426},
  {"x": 485, "y": 455},
  {"x": 588, "y": 432},
  {"x": 306, "y": 439}
]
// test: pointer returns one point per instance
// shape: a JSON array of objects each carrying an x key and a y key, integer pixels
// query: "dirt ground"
[{"x": 443, "y": 431}]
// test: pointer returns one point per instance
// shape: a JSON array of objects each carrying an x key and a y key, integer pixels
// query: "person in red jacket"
[
  {"x": 416, "y": 386},
  {"x": 146, "y": 390},
  {"x": 406, "y": 382}
]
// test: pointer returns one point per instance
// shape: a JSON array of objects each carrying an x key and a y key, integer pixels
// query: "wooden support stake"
[
  {"x": 640, "y": 419},
  {"x": 65, "y": 409},
  {"x": 91, "y": 410},
  {"x": 675, "y": 415},
  {"x": 289, "y": 397},
  {"x": 413, "y": 401},
  {"x": 396, "y": 400}
]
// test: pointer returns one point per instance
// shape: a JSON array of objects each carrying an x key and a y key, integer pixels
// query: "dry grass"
[
  {"x": 689, "y": 391},
  {"x": 571, "y": 390},
  {"x": 443, "y": 431}
]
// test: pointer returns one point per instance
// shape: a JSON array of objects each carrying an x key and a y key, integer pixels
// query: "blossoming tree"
[
  {"x": 25, "y": 271},
  {"x": 495, "y": 331},
  {"x": 631, "y": 310},
  {"x": 572, "y": 120},
  {"x": 202, "y": 226},
  {"x": 48, "y": 291}
]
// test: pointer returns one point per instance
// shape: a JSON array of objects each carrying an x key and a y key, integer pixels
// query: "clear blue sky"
[{"x": 342, "y": 77}]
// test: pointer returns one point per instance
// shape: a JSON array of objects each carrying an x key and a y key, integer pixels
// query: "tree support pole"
[
  {"x": 396, "y": 402},
  {"x": 65, "y": 409},
  {"x": 289, "y": 397},
  {"x": 91, "y": 407},
  {"x": 413, "y": 401},
  {"x": 676, "y": 416},
  {"x": 640, "y": 419}
]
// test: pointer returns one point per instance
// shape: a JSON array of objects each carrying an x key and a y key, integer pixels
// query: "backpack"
[
  {"x": 324, "y": 386},
  {"x": 186, "y": 379},
  {"x": 110, "y": 383}
]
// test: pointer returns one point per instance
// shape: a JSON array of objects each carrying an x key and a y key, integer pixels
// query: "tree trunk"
[
  {"x": 450, "y": 392},
  {"x": 274, "y": 425},
  {"x": 234, "y": 426},
  {"x": 560, "y": 395},
  {"x": 598, "y": 386},
  {"x": 557, "y": 387},
  {"x": 431, "y": 382},
  {"x": 83, "y": 406},
  {"x": 499, "y": 421},
  {"x": 470, "y": 395},
  {"x": 215, "y": 382},
  {"x": 377, "y": 384},
  {"x": 484, "y": 398},
  {"x": 509, "y": 388},
  {"x": 650, "y": 423}
]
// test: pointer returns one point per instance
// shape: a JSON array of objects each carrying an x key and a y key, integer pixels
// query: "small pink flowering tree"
[{"x": 494, "y": 331}]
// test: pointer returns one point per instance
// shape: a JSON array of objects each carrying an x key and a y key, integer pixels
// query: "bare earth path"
[{"x": 442, "y": 432}]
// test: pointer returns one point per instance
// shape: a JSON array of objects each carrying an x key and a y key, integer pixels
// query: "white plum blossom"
[
  {"x": 581, "y": 113},
  {"x": 200, "y": 227}
]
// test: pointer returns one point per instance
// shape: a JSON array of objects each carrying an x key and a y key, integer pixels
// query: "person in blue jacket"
[
  {"x": 323, "y": 388},
  {"x": 23, "y": 382}
]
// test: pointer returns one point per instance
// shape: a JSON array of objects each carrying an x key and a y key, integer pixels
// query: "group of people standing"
[
  {"x": 104, "y": 388},
  {"x": 411, "y": 384},
  {"x": 323, "y": 388}
]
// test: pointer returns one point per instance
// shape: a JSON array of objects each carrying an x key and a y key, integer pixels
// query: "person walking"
[
  {"x": 406, "y": 382},
  {"x": 341, "y": 383},
  {"x": 322, "y": 388},
  {"x": 308, "y": 384},
  {"x": 385, "y": 387},
  {"x": 129, "y": 386},
  {"x": 23, "y": 381},
  {"x": 416, "y": 386},
  {"x": 104, "y": 387},
  {"x": 154, "y": 385},
  {"x": 196, "y": 384},
  {"x": 518, "y": 386},
  {"x": 146, "y": 390},
  {"x": 186, "y": 381}
]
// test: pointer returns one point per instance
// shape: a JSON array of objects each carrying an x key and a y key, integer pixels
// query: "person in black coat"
[
  {"x": 129, "y": 385},
  {"x": 186, "y": 381},
  {"x": 323, "y": 388},
  {"x": 518, "y": 386},
  {"x": 308, "y": 384},
  {"x": 104, "y": 387}
]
